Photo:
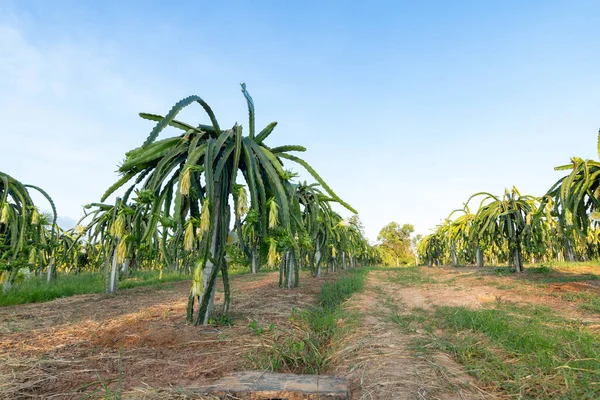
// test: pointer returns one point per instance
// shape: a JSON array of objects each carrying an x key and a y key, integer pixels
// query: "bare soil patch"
[{"x": 472, "y": 287}]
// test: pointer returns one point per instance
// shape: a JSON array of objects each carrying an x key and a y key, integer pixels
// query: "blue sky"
[{"x": 406, "y": 108}]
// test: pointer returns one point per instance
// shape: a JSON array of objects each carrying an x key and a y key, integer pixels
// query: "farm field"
[
  {"x": 415, "y": 332},
  {"x": 291, "y": 201}
]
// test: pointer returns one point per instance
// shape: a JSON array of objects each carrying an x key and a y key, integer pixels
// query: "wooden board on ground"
[{"x": 256, "y": 385}]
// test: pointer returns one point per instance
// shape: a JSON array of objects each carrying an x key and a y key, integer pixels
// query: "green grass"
[
  {"x": 593, "y": 304},
  {"x": 526, "y": 351},
  {"x": 539, "y": 355},
  {"x": 556, "y": 272},
  {"x": 317, "y": 330},
  {"x": 502, "y": 286},
  {"x": 37, "y": 290},
  {"x": 545, "y": 273},
  {"x": 333, "y": 294},
  {"x": 407, "y": 322},
  {"x": 542, "y": 269},
  {"x": 502, "y": 271},
  {"x": 562, "y": 278},
  {"x": 589, "y": 300},
  {"x": 569, "y": 264},
  {"x": 519, "y": 350},
  {"x": 239, "y": 270},
  {"x": 408, "y": 276}
]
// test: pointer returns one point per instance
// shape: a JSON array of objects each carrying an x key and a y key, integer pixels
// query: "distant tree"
[{"x": 396, "y": 243}]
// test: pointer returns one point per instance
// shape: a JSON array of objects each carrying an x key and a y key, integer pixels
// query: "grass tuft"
[
  {"x": 316, "y": 333},
  {"x": 409, "y": 276},
  {"x": 542, "y": 269}
]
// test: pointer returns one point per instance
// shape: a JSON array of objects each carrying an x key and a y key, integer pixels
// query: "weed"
[
  {"x": 542, "y": 269},
  {"x": 589, "y": 300},
  {"x": 593, "y": 304},
  {"x": 502, "y": 286},
  {"x": 220, "y": 319},
  {"x": 407, "y": 322},
  {"x": 317, "y": 330},
  {"x": 333, "y": 294},
  {"x": 503, "y": 271},
  {"x": 409, "y": 276},
  {"x": 253, "y": 325},
  {"x": 450, "y": 281},
  {"x": 103, "y": 384}
]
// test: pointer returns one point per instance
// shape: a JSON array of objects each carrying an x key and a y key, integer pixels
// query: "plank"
[{"x": 256, "y": 385}]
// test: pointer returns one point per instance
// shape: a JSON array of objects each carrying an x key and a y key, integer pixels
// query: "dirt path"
[
  {"x": 392, "y": 357},
  {"x": 379, "y": 359},
  {"x": 137, "y": 339}
]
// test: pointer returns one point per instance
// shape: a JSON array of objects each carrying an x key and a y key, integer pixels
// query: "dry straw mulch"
[{"x": 135, "y": 343}]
